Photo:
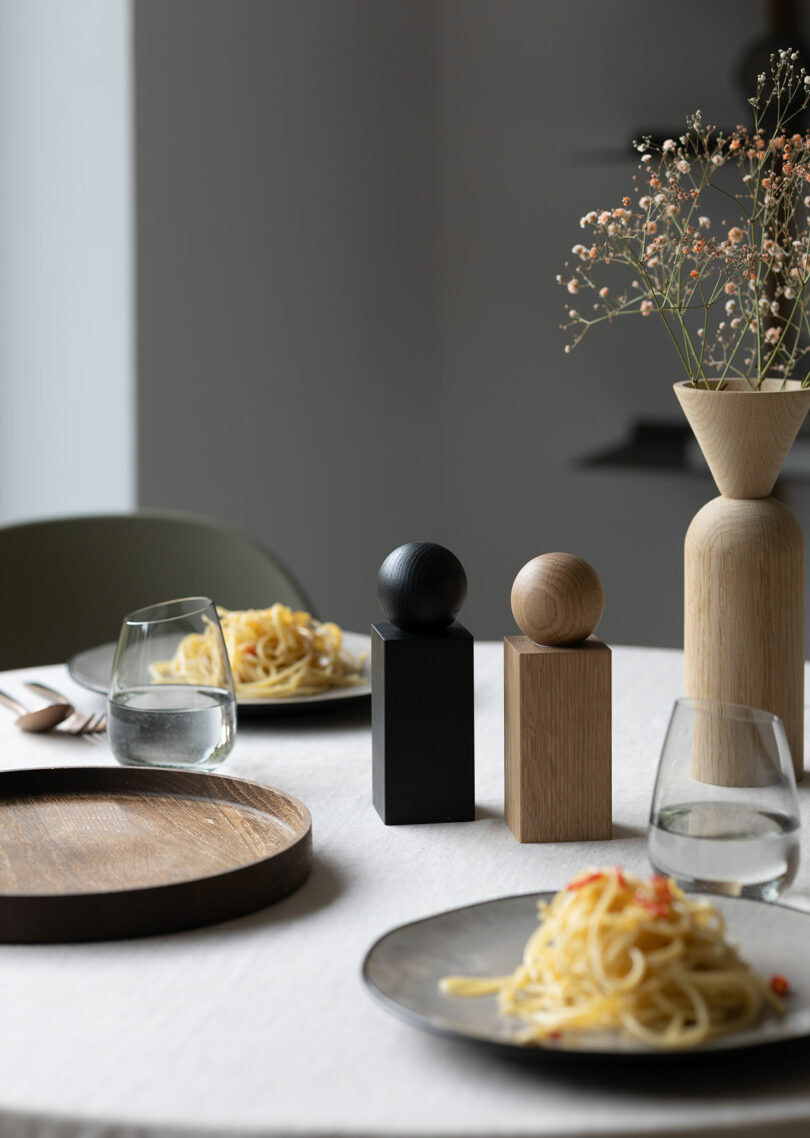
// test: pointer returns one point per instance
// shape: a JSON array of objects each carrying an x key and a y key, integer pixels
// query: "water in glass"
[
  {"x": 725, "y": 815},
  {"x": 724, "y": 847},
  {"x": 171, "y": 725},
  {"x": 171, "y": 700}
]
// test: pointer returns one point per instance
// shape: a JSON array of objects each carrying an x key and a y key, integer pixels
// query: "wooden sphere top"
[
  {"x": 557, "y": 599},
  {"x": 421, "y": 587}
]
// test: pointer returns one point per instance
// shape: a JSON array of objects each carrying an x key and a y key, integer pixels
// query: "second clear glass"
[
  {"x": 171, "y": 701},
  {"x": 725, "y": 815}
]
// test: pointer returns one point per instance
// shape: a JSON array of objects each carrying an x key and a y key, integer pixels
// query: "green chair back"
[{"x": 67, "y": 582}]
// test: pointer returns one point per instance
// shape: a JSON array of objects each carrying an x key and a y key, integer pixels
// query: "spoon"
[{"x": 41, "y": 720}]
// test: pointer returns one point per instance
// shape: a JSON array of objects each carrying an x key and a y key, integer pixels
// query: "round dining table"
[{"x": 263, "y": 1026}]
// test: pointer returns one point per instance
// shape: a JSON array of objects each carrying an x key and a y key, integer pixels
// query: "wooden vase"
[{"x": 744, "y": 567}]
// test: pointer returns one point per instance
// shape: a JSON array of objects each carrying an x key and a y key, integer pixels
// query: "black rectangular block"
[{"x": 422, "y": 727}]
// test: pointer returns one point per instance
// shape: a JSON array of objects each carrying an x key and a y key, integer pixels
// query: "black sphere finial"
[{"x": 421, "y": 587}]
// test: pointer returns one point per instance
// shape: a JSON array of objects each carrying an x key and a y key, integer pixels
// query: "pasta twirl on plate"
[
  {"x": 275, "y": 653},
  {"x": 615, "y": 952}
]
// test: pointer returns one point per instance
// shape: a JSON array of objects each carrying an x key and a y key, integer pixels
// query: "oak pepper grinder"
[
  {"x": 423, "y": 767},
  {"x": 557, "y": 692}
]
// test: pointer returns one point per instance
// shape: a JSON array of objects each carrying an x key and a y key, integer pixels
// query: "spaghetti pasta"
[
  {"x": 275, "y": 653},
  {"x": 615, "y": 952}
]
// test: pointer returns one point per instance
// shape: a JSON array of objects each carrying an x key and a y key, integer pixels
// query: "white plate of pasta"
[
  {"x": 491, "y": 973},
  {"x": 281, "y": 660}
]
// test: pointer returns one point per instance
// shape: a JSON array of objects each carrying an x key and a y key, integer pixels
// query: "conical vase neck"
[{"x": 745, "y": 434}]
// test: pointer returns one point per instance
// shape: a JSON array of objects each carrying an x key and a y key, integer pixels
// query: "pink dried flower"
[{"x": 677, "y": 270}]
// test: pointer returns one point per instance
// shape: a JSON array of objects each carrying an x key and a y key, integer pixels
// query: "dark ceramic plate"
[{"x": 404, "y": 967}]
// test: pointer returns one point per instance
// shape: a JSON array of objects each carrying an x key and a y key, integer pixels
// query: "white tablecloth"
[{"x": 262, "y": 1025}]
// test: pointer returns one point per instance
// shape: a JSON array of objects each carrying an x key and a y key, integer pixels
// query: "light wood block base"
[{"x": 557, "y": 724}]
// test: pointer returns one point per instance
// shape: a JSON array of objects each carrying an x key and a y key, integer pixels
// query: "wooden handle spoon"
[{"x": 41, "y": 720}]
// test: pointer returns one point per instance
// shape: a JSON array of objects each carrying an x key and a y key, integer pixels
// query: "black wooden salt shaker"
[{"x": 423, "y": 767}]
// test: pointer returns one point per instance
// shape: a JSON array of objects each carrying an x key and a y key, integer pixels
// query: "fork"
[{"x": 76, "y": 724}]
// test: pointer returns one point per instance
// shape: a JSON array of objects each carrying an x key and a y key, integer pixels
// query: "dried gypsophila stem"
[{"x": 733, "y": 297}]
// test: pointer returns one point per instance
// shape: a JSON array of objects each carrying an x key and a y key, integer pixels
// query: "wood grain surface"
[
  {"x": 99, "y": 852},
  {"x": 744, "y": 619},
  {"x": 557, "y": 598},
  {"x": 421, "y": 587},
  {"x": 745, "y": 435},
  {"x": 557, "y": 735}
]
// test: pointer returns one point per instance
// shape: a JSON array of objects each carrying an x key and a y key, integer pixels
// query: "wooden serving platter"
[{"x": 97, "y": 853}]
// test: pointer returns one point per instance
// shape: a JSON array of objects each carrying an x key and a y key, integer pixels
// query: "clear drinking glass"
[
  {"x": 725, "y": 815},
  {"x": 171, "y": 701}
]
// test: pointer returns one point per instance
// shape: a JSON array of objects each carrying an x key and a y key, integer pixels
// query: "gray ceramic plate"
[
  {"x": 92, "y": 668},
  {"x": 404, "y": 967}
]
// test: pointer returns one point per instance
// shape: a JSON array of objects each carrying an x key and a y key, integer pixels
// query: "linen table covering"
[{"x": 263, "y": 1026}]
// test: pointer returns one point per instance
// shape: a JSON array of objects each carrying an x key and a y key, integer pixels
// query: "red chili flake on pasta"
[
  {"x": 250, "y": 650},
  {"x": 780, "y": 986},
  {"x": 656, "y": 906},
  {"x": 661, "y": 888},
  {"x": 622, "y": 880},
  {"x": 586, "y": 880}
]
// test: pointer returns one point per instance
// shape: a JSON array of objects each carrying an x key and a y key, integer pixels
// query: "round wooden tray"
[{"x": 96, "y": 853}]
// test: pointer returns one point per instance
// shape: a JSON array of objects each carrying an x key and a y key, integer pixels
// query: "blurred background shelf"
[{"x": 669, "y": 446}]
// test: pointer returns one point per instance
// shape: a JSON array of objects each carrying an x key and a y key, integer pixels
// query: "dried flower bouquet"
[{"x": 733, "y": 296}]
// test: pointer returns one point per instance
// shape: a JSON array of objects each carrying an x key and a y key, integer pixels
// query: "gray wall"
[
  {"x": 287, "y": 289},
  {"x": 350, "y": 217}
]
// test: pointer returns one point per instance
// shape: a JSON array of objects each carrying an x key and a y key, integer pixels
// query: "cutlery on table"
[
  {"x": 44, "y": 719},
  {"x": 78, "y": 723}
]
